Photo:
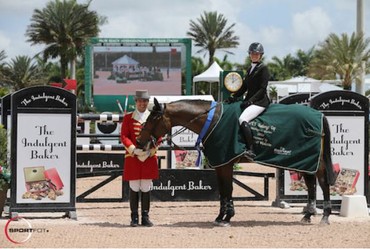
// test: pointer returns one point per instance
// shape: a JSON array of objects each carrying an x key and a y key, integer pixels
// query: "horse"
[{"x": 193, "y": 114}]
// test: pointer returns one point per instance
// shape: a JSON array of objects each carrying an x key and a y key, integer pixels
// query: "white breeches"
[
  {"x": 142, "y": 185},
  {"x": 250, "y": 113}
]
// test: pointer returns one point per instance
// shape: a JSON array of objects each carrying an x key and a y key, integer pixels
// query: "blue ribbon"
[{"x": 204, "y": 131}]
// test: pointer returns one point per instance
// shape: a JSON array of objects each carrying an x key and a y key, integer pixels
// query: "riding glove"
[
  {"x": 230, "y": 99},
  {"x": 245, "y": 104}
]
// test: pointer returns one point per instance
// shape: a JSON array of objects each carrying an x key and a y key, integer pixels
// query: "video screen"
[{"x": 121, "y": 70}]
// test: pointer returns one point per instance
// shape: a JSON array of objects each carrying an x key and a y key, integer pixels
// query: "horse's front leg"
[
  {"x": 225, "y": 185},
  {"x": 310, "y": 208}
]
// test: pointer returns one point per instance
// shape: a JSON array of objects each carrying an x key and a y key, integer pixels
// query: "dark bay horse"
[{"x": 192, "y": 114}]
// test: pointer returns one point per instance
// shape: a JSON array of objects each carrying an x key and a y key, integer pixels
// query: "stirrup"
[{"x": 249, "y": 154}]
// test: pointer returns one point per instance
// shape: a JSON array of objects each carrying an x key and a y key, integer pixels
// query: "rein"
[
  {"x": 204, "y": 130},
  {"x": 191, "y": 121},
  {"x": 169, "y": 137}
]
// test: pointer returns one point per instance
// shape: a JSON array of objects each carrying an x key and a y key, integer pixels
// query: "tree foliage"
[
  {"x": 210, "y": 32},
  {"x": 290, "y": 65},
  {"x": 22, "y": 72},
  {"x": 64, "y": 27},
  {"x": 341, "y": 56}
]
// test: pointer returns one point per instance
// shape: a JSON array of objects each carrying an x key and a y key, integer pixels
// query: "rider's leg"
[
  {"x": 247, "y": 115},
  {"x": 249, "y": 139}
]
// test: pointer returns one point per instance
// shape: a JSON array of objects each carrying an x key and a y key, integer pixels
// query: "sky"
[{"x": 282, "y": 26}]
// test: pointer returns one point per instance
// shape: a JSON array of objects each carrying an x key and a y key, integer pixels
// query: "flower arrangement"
[{"x": 5, "y": 173}]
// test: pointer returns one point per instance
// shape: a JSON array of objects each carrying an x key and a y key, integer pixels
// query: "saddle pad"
[{"x": 286, "y": 136}]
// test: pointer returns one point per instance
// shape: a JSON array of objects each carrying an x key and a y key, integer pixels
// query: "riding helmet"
[{"x": 256, "y": 47}]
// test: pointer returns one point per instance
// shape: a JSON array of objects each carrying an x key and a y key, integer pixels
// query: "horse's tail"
[{"x": 331, "y": 177}]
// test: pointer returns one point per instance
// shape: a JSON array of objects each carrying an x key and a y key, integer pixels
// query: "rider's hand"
[
  {"x": 245, "y": 104},
  {"x": 230, "y": 99}
]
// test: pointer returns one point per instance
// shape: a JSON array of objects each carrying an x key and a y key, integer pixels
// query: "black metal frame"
[{"x": 40, "y": 107}]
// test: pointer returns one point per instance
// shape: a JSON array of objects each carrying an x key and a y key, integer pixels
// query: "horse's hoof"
[
  {"x": 305, "y": 220},
  {"x": 221, "y": 223},
  {"x": 217, "y": 222},
  {"x": 324, "y": 221}
]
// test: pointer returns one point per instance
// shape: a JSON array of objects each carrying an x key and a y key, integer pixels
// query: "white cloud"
[
  {"x": 4, "y": 42},
  {"x": 310, "y": 27},
  {"x": 264, "y": 21},
  {"x": 272, "y": 35}
]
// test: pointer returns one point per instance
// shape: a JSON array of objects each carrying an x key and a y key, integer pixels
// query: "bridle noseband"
[{"x": 158, "y": 112}]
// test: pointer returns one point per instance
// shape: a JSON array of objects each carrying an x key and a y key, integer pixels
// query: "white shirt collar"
[{"x": 140, "y": 116}]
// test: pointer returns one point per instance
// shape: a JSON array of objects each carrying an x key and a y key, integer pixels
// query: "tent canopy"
[
  {"x": 212, "y": 74},
  {"x": 301, "y": 79},
  {"x": 303, "y": 84},
  {"x": 125, "y": 60}
]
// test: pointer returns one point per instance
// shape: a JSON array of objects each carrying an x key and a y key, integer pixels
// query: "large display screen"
[
  {"x": 121, "y": 70},
  {"x": 116, "y": 67}
]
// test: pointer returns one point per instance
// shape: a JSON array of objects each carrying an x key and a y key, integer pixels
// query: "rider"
[{"x": 256, "y": 100}]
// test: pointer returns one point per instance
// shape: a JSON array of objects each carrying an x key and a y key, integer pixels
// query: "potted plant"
[{"x": 5, "y": 174}]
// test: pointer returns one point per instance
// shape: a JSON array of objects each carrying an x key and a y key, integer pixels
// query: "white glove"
[
  {"x": 139, "y": 152},
  {"x": 153, "y": 151}
]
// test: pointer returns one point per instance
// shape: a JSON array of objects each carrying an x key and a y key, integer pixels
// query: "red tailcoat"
[{"x": 134, "y": 169}]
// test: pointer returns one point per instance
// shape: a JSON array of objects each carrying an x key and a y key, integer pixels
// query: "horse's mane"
[
  {"x": 191, "y": 101},
  {"x": 190, "y": 105}
]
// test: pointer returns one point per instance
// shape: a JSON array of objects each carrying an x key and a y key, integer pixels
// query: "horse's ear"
[{"x": 157, "y": 106}]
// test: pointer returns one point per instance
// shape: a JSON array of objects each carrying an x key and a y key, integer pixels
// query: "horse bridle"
[{"x": 153, "y": 140}]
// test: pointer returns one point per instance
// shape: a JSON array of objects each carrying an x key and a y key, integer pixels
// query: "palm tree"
[
  {"x": 64, "y": 27},
  {"x": 3, "y": 90},
  {"x": 281, "y": 69},
  {"x": 302, "y": 61},
  {"x": 21, "y": 72},
  {"x": 341, "y": 56},
  {"x": 197, "y": 66},
  {"x": 290, "y": 66},
  {"x": 211, "y": 33},
  {"x": 225, "y": 64},
  {"x": 2, "y": 58}
]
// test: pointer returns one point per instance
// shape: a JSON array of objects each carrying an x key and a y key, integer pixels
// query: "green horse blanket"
[{"x": 285, "y": 136}]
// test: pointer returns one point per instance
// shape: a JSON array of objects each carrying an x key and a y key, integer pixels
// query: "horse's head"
[{"x": 156, "y": 126}]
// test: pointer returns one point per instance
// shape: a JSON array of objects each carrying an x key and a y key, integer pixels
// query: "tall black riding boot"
[
  {"x": 134, "y": 206},
  {"x": 145, "y": 205},
  {"x": 247, "y": 132}
]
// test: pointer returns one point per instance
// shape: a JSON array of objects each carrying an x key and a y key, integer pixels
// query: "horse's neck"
[{"x": 190, "y": 114}]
